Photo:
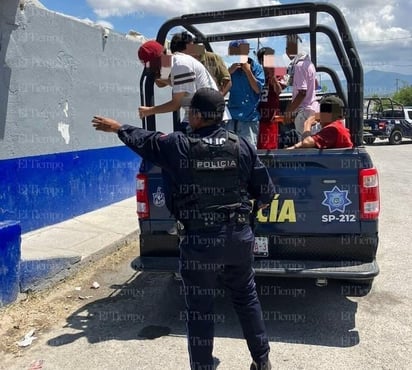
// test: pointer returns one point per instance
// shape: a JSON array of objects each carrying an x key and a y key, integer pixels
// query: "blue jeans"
[{"x": 247, "y": 129}]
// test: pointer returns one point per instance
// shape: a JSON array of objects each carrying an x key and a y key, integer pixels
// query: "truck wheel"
[
  {"x": 395, "y": 138},
  {"x": 369, "y": 140}
]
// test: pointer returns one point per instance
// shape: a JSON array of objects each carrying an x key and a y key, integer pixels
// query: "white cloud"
[
  {"x": 381, "y": 29},
  {"x": 382, "y": 33},
  {"x": 387, "y": 13},
  {"x": 167, "y": 8},
  {"x": 105, "y": 24}
]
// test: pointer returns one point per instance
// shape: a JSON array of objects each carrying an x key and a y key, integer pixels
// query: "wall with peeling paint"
[{"x": 56, "y": 73}]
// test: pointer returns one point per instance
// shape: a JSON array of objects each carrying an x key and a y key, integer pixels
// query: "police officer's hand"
[{"x": 105, "y": 124}]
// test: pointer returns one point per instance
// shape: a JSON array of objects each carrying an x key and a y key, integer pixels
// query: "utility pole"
[{"x": 404, "y": 83}]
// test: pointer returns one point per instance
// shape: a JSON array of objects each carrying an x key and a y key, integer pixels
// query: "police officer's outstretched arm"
[{"x": 151, "y": 145}]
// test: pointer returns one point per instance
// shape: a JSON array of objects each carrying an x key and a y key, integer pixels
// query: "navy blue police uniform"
[{"x": 214, "y": 175}]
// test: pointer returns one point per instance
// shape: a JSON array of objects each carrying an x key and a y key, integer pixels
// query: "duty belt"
[{"x": 217, "y": 221}]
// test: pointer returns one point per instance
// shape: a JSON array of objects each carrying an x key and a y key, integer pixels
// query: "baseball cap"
[
  {"x": 209, "y": 102},
  {"x": 332, "y": 104},
  {"x": 149, "y": 51}
]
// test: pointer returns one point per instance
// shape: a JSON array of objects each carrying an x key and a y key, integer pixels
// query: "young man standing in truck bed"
[
  {"x": 302, "y": 77},
  {"x": 183, "y": 42},
  {"x": 269, "y": 105},
  {"x": 248, "y": 79},
  {"x": 187, "y": 75}
]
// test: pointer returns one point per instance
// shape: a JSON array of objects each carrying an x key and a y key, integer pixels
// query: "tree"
[{"x": 404, "y": 95}]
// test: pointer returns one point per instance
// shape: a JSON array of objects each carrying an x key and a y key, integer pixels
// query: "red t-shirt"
[
  {"x": 268, "y": 107},
  {"x": 269, "y": 102},
  {"x": 334, "y": 135}
]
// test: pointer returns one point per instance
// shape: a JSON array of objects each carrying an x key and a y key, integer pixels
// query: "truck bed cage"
[
  {"x": 384, "y": 107},
  {"x": 341, "y": 42}
]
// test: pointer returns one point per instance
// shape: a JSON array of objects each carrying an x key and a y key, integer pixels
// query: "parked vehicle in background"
[{"x": 386, "y": 119}]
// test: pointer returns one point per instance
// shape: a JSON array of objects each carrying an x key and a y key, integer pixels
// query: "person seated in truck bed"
[{"x": 333, "y": 133}]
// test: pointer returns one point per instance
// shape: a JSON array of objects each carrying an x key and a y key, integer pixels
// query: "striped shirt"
[{"x": 188, "y": 75}]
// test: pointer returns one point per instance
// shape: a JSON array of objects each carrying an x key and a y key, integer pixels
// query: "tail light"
[
  {"x": 142, "y": 196},
  {"x": 369, "y": 194}
]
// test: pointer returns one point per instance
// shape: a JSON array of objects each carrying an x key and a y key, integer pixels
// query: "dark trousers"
[{"x": 199, "y": 275}]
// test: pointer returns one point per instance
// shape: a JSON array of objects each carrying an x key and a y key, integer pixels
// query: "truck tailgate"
[
  {"x": 313, "y": 195},
  {"x": 311, "y": 228},
  {"x": 315, "y": 212}
]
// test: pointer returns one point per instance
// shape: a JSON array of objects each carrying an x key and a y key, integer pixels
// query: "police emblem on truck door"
[{"x": 336, "y": 200}]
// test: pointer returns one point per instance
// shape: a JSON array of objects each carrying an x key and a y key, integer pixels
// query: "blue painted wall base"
[
  {"x": 39, "y": 274},
  {"x": 44, "y": 190},
  {"x": 10, "y": 237}
]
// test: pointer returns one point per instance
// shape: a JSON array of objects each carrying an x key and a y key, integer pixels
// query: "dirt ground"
[{"x": 41, "y": 310}]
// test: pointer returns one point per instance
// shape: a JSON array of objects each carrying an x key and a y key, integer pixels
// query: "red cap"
[{"x": 149, "y": 51}]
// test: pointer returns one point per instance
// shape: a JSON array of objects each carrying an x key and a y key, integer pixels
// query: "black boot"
[{"x": 261, "y": 366}]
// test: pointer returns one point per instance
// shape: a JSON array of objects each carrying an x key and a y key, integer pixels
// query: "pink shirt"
[{"x": 304, "y": 78}]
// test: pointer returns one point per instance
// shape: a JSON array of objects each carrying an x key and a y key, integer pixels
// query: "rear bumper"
[
  {"x": 375, "y": 133},
  {"x": 354, "y": 270},
  {"x": 351, "y": 270}
]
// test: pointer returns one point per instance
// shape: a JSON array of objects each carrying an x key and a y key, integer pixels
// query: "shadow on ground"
[{"x": 152, "y": 305}]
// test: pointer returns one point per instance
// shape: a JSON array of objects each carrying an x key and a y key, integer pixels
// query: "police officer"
[{"x": 215, "y": 174}]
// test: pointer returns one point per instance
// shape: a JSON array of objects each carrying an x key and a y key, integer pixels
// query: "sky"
[{"x": 381, "y": 29}]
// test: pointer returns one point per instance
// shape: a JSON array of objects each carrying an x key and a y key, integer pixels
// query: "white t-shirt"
[{"x": 188, "y": 75}]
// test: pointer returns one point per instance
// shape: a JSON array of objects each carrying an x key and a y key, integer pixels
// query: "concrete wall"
[
  {"x": 61, "y": 72},
  {"x": 56, "y": 73}
]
